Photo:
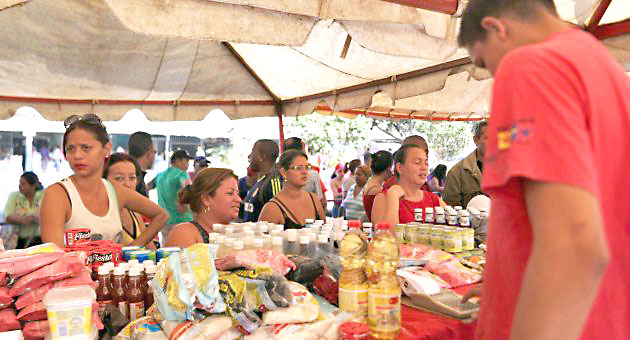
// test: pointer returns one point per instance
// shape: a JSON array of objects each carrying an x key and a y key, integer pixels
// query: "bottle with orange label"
[
  {"x": 135, "y": 294},
  {"x": 353, "y": 293},
  {"x": 384, "y": 289}
]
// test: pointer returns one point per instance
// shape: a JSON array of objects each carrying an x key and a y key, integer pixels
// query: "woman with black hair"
[
  {"x": 22, "y": 210},
  {"x": 381, "y": 165},
  {"x": 85, "y": 199},
  {"x": 292, "y": 206},
  {"x": 436, "y": 179}
]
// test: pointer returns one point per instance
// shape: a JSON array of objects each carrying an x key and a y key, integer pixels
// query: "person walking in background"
[
  {"x": 22, "y": 210},
  {"x": 142, "y": 150},
  {"x": 437, "y": 178},
  {"x": 352, "y": 207},
  {"x": 463, "y": 182},
  {"x": 350, "y": 180},
  {"x": 335, "y": 187},
  {"x": 168, "y": 185},
  {"x": 555, "y": 168}
]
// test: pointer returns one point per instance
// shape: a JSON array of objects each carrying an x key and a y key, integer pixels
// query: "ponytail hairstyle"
[
  {"x": 32, "y": 179},
  {"x": 207, "y": 181}
]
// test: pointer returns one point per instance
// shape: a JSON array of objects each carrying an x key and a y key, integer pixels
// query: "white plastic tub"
[{"x": 69, "y": 312}]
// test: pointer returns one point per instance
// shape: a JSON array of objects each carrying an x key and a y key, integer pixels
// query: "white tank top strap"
[{"x": 108, "y": 226}]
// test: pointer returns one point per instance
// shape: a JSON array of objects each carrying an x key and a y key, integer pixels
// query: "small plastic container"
[
  {"x": 92, "y": 336},
  {"x": 69, "y": 312}
]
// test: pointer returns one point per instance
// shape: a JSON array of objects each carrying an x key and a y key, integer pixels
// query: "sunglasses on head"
[{"x": 88, "y": 118}]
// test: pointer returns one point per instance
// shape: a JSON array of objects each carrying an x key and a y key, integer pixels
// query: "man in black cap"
[{"x": 168, "y": 185}]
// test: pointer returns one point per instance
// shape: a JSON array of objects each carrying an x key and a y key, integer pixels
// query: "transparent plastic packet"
[{"x": 186, "y": 281}]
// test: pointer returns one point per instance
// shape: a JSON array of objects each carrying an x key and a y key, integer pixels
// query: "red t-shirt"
[
  {"x": 406, "y": 209},
  {"x": 560, "y": 113}
]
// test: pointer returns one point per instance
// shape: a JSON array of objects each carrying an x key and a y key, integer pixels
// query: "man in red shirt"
[{"x": 555, "y": 167}]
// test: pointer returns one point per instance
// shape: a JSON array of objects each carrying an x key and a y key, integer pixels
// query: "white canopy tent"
[{"x": 180, "y": 59}]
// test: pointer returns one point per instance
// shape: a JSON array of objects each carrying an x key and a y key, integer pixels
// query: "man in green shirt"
[{"x": 168, "y": 185}]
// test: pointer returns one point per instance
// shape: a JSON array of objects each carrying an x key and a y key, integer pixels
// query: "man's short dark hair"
[
  {"x": 139, "y": 143},
  {"x": 478, "y": 128},
  {"x": 471, "y": 30},
  {"x": 268, "y": 149},
  {"x": 293, "y": 143}
]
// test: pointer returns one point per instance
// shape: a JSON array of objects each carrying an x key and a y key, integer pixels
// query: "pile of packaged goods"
[
  {"x": 31, "y": 284},
  {"x": 242, "y": 285}
]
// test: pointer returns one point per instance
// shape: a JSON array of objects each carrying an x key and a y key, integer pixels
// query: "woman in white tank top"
[{"x": 85, "y": 200}]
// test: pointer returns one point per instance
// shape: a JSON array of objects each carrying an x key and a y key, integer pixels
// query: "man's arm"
[
  {"x": 452, "y": 187},
  {"x": 568, "y": 259}
]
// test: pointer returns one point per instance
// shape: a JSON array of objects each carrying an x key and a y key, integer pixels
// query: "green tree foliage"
[
  {"x": 332, "y": 135},
  {"x": 446, "y": 139}
]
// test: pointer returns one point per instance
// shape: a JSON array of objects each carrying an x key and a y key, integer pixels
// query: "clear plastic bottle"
[
  {"x": 119, "y": 296},
  {"x": 237, "y": 246},
  {"x": 312, "y": 245},
  {"x": 219, "y": 228},
  {"x": 353, "y": 286},
  {"x": 257, "y": 244},
  {"x": 276, "y": 244},
  {"x": 384, "y": 289},
  {"x": 305, "y": 246},
  {"x": 212, "y": 238},
  {"x": 324, "y": 247},
  {"x": 229, "y": 246},
  {"x": 291, "y": 247}
]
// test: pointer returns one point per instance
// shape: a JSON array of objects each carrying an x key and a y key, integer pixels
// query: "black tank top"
[
  {"x": 202, "y": 232},
  {"x": 289, "y": 222}
]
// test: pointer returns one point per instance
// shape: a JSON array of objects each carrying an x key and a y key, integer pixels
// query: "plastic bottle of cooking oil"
[
  {"x": 384, "y": 290},
  {"x": 353, "y": 287}
]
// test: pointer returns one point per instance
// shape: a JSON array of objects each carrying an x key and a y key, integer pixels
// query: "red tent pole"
[{"x": 280, "y": 127}]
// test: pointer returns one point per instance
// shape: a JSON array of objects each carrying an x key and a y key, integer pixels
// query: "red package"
[
  {"x": 18, "y": 262},
  {"x": 35, "y": 329},
  {"x": 5, "y": 298},
  {"x": 251, "y": 259},
  {"x": 33, "y": 312},
  {"x": 77, "y": 236},
  {"x": 37, "y": 312},
  {"x": 8, "y": 320},
  {"x": 453, "y": 272},
  {"x": 3, "y": 278},
  {"x": 327, "y": 287},
  {"x": 69, "y": 265},
  {"x": 83, "y": 278}
]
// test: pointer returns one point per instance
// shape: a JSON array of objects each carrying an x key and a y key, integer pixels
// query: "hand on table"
[{"x": 474, "y": 292}]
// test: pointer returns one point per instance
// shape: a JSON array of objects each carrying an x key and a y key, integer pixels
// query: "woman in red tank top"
[
  {"x": 382, "y": 163},
  {"x": 397, "y": 203}
]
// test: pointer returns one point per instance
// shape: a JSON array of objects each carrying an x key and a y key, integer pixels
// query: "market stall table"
[{"x": 420, "y": 325}]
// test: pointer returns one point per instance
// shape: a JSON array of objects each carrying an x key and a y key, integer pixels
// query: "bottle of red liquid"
[
  {"x": 149, "y": 272},
  {"x": 135, "y": 294},
  {"x": 104, "y": 290},
  {"x": 119, "y": 295}
]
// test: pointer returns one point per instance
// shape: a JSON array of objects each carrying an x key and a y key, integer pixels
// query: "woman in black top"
[
  {"x": 213, "y": 197},
  {"x": 292, "y": 206}
]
